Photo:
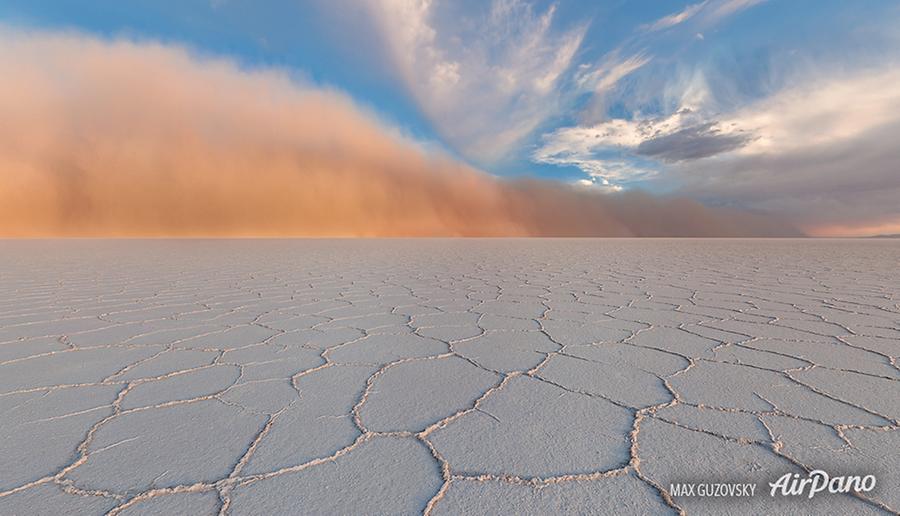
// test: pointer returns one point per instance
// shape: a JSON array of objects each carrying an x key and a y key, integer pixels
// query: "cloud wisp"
[
  {"x": 676, "y": 18},
  {"x": 486, "y": 78},
  {"x": 121, "y": 138}
]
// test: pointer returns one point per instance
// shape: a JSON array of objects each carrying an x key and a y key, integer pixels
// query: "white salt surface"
[{"x": 444, "y": 376}]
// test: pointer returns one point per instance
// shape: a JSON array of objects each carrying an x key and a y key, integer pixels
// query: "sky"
[{"x": 785, "y": 110}]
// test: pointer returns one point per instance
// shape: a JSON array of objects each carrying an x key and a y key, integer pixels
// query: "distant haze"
[{"x": 138, "y": 139}]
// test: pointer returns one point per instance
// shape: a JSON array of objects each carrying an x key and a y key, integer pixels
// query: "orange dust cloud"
[{"x": 119, "y": 138}]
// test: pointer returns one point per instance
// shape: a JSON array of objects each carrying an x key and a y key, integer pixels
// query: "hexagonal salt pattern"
[{"x": 443, "y": 376}]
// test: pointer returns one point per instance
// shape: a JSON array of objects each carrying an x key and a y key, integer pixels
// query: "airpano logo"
[
  {"x": 790, "y": 484},
  {"x": 817, "y": 481}
]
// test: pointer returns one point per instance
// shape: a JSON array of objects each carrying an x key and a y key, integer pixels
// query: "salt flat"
[{"x": 444, "y": 376}]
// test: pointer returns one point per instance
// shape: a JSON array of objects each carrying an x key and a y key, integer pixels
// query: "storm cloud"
[{"x": 699, "y": 141}]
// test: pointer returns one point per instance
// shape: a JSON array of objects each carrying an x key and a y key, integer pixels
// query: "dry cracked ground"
[{"x": 444, "y": 376}]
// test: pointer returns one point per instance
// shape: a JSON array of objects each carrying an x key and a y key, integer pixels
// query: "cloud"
[
  {"x": 821, "y": 151},
  {"x": 486, "y": 78},
  {"x": 709, "y": 12},
  {"x": 675, "y": 19},
  {"x": 695, "y": 142},
  {"x": 122, "y": 138},
  {"x": 678, "y": 124},
  {"x": 605, "y": 76},
  {"x": 824, "y": 153},
  {"x": 605, "y": 148},
  {"x": 599, "y": 151},
  {"x": 488, "y": 75},
  {"x": 725, "y": 8},
  {"x": 822, "y": 109},
  {"x": 598, "y": 183}
]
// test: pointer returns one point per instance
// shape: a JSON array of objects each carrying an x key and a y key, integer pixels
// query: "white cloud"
[
  {"x": 818, "y": 113},
  {"x": 485, "y": 79},
  {"x": 727, "y": 8},
  {"x": 823, "y": 112},
  {"x": 677, "y": 18},
  {"x": 612, "y": 70},
  {"x": 598, "y": 185},
  {"x": 604, "y": 183},
  {"x": 708, "y": 12},
  {"x": 576, "y": 147},
  {"x": 598, "y": 149}
]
